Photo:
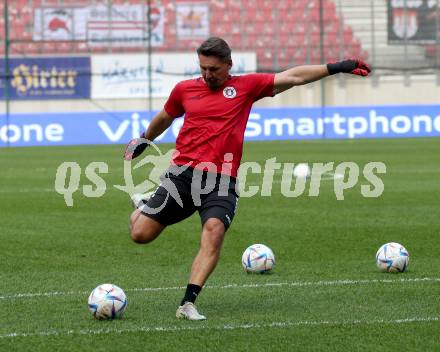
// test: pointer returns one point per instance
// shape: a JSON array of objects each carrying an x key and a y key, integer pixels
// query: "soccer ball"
[
  {"x": 392, "y": 257},
  {"x": 258, "y": 258},
  {"x": 301, "y": 171},
  {"x": 107, "y": 301}
]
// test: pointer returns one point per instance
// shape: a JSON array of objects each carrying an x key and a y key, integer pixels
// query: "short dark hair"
[{"x": 217, "y": 47}]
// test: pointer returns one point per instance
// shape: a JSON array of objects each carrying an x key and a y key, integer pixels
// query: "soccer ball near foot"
[
  {"x": 107, "y": 302},
  {"x": 392, "y": 257},
  {"x": 258, "y": 258}
]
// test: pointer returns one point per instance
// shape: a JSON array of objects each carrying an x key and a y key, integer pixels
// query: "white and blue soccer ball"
[
  {"x": 392, "y": 257},
  {"x": 258, "y": 258},
  {"x": 107, "y": 302}
]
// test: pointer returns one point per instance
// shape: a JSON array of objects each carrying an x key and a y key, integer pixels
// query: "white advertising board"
[{"x": 127, "y": 75}]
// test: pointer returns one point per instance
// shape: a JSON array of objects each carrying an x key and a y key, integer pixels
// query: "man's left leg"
[{"x": 213, "y": 233}]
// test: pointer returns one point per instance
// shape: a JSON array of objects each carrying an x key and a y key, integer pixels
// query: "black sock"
[{"x": 192, "y": 291}]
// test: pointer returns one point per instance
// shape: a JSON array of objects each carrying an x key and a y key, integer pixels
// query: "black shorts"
[{"x": 181, "y": 193}]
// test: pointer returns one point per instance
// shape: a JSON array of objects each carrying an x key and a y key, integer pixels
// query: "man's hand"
[
  {"x": 135, "y": 148},
  {"x": 354, "y": 66}
]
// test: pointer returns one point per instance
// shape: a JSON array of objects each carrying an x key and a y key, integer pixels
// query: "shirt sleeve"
[
  {"x": 261, "y": 85},
  {"x": 174, "y": 105}
]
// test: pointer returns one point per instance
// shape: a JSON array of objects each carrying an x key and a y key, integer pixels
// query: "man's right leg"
[{"x": 144, "y": 229}]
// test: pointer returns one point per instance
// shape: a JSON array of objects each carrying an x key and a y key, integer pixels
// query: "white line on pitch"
[
  {"x": 250, "y": 326},
  {"x": 238, "y": 286}
]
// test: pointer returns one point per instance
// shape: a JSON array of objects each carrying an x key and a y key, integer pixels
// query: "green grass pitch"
[{"x": 325, "y": 293}]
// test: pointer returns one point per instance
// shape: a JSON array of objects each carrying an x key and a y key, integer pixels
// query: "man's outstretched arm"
[
  {"x": 300, "y": 75},
  {"x": 157, "y": 126}
]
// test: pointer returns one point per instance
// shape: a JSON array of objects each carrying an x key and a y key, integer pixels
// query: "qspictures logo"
[{"x": 254, "y": 179}]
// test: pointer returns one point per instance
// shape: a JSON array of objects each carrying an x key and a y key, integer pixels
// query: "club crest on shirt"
[{"x": 229, "y": 92}]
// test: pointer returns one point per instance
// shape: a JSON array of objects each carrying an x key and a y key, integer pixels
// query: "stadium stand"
[
  {"x": 369, "y": 23},
  {"x": 285, "y": 35}
]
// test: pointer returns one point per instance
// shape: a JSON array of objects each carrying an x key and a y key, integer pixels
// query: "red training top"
[{"x": 215, "y": 120}]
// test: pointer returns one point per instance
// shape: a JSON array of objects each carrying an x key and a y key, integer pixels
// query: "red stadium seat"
[
  {"x": 75, "y": 3},
  {"x": 315, "y": 56},
  {"x": 289, "y": 15},
  {"x": 265, "y": 59},
  {"x": 347, "y": 35},
  {"x": 331, "y": 54},
  {"x": 298, "y": 55},
  {"x": 48, "y": 48},
  {"x": 19, "y": 4},
  {"x": 227, "y": 16},
  {"x": 234, "y": 40},
  {"x": 284, "y": 59},
  {"x": 17, "y": 49},
  {"x": 32, "y": 47},
  {"x": 431, "y": 51},
  {"x": 331, "y": 38},
  {"x": 80, "y": 47},
  {"x": 49, "y": 3},
  {"x": 232, "y": 4}
]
